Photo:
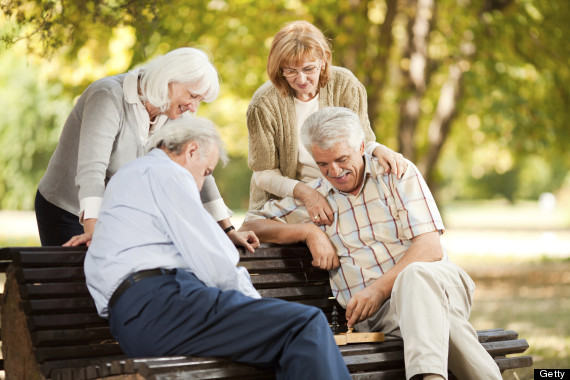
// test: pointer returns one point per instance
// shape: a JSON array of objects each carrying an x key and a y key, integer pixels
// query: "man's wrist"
[{"x": 228, "y": 229}]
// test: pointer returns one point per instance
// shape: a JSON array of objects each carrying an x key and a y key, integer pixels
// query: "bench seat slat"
[
  {"x": 71, "y": 337},
  {"x": 82, "y": 320},
  {"x": 296, "y": 292},
  {"x": 497, "y": 335},
  {"x": 274, "y": 280},
  {"x": 77, "y": 352},
  {"x": 506, "y": 347},
  {"x": 277, "y": 265},
  {"x": 390, "y": 374},
  {"x": 205, "y": 368},
  {"x": 51, "y": 274},
  {"x": 51, "y": 259},
  {"x": 375, "y": 361},
  {"x": 269, "y": 251},
  {"x": 514, "y": 362},
  {"x": 49, "y": 367},
  {"x": 58, "y": 305},
  {"x": 39, "y": 290}
]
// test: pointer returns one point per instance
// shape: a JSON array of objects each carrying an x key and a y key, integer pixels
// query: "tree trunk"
[
  {"x": 416, "y": 52},
  {"x": 440, "y": 124}
]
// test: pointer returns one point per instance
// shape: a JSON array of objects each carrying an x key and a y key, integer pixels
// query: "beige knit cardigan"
[{"x": 272, "y": 126}]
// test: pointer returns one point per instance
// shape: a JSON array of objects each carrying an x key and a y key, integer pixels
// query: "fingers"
[
  {"x": 401, "y": 165},
  {"x": 78, "y": 240},
  {"x": 329, "y": 214},
  {"x": 335, "y": 263},
  {"x": 393, "y": 167},
  {"x": 247, "y": 246},
  {"x": 253, "y": 240}
]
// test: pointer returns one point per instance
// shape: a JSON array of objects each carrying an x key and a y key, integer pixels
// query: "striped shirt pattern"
[{"x": 371, "y": 230}]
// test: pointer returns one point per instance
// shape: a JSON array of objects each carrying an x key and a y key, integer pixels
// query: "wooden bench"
[{"x": 50, "y": 327}]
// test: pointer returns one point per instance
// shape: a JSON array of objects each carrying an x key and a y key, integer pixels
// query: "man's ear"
[
  {"x": 191, "y": 149},
  {"x": 362, "y": 148}
]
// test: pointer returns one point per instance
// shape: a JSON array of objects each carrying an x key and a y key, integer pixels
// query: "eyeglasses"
[{"x": 308, "y": 70}]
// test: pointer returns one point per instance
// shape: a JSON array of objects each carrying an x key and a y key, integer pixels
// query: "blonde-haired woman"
[{"x": 302, "y": 80}]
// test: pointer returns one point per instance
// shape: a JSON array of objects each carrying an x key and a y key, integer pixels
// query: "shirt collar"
[
  {"x": 368, "y": 172},
  {"x": 130, "y": 87}
]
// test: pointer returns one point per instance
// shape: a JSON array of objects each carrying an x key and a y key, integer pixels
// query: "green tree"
[{"x": 469, "y": 89}]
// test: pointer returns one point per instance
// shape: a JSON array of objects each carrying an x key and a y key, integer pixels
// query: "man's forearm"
[{"x": 271, "y": 231}]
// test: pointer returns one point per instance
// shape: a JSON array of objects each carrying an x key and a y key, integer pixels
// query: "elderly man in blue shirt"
[{"x": 164, "y": 273}]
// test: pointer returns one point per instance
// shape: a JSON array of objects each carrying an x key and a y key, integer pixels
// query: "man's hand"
[
  {"x": 322, "y": 250},
  {"x": 363, "y": 304},
  {"x": 392, "y": 162},
  {"x": 84, "y": 238},
  {"x": 246, "y": 239},
  {"x": 319, "y": 209}
]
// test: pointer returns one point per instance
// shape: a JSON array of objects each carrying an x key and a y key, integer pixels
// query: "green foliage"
[
  {"x": 508, "y": 134},
  {"x": 29, "y": 129}
]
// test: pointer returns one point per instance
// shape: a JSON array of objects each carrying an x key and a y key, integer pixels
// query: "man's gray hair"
[
  {"x": 175, "y": 134},
  {"x": 329, "y": 125},
  {"x": 184, "y": 65}
]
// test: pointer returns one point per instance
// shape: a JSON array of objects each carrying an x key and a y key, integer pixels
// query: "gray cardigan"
[{"x": 99, "y": 136}]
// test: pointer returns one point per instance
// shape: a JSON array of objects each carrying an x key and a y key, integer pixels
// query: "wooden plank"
[
  {"x": 496, "y": 335},
  {"x": 46, "y": 321},
  {"x": 295, "y": 292},
  {"x": 376, "y": 361},
  {"x": 268, "y": 251},
  {"x": 59, "y": 305},
  {"x": 514, "y": 362},
  {"x": 51, "y": 274},
  {"x": 275, "y": 280},
  {"x": 506, "y": 347},
  {"x": 95, "y": 368},
  {"x": 277, "y": 265},
  {"x": 77, "y": 352},
  {"x": 389, "y": 374},
  {"x": 55, "y": 257},
  {"x": 54, "y": 289},
  {"x": 206, "y": 368},
  {"x": 71, "y": 336}
]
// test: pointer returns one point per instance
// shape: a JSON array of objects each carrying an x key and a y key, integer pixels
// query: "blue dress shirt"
[{"x": 152, "y": 217}]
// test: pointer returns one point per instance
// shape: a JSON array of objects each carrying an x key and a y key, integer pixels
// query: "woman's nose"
[{"x": 193, "y": 105}]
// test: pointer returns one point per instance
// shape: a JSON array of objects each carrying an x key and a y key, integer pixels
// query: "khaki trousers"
[{"x": 429, "y": 308}]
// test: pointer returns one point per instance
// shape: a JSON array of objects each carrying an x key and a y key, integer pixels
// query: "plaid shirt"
[{"x": 371, "y": 230}]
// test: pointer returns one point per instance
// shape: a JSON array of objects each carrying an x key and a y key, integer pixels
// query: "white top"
[
  {"x": 273, "y": 181},
  {"x": 152, "y": 217}
]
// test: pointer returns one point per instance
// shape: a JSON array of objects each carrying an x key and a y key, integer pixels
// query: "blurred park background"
[{"x": 475, "y": 92}]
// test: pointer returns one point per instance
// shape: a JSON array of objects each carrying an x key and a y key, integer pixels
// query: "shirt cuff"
[
  {"x": 218, "y": 209},
  {"x": 89, "y": 208}
]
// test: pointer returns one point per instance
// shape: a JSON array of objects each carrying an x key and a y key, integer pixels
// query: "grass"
[{"x": 532, "y": 298}]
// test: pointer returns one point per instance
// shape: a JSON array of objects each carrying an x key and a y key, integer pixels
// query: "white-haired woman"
[{"x": 110, "y": 126}]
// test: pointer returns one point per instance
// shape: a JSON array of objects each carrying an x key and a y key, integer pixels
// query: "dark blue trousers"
[
  {"x": 55, "y": 225},
  {"x": 178, "y": 315}
]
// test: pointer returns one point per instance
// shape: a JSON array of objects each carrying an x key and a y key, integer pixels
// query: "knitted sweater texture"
[{"x": 272, "y": 126}]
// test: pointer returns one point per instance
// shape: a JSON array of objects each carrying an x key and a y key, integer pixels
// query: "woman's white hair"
[
  {"x": 186, "y": 65},
  {"x": 175, "y": 134},
  {"x": 329, "y": 125}
]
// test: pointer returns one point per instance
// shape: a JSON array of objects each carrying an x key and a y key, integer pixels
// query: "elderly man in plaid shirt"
[{"x": 387, "y": 266}]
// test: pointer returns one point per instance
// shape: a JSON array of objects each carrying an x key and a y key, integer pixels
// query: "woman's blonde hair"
[{"x": 297, "y": 41}]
